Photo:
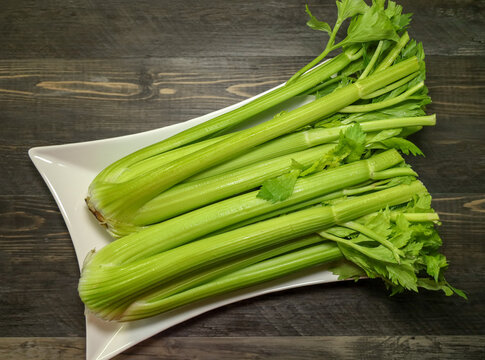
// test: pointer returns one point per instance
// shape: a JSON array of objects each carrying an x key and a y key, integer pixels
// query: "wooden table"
[{"x": 85, "y": 70}]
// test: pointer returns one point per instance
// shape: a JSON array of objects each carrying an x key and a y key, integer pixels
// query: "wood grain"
[
  {"x": 242, "y": 28},
  {"x": 86, "y": 70},
  {"x": 288, "y": 348}
]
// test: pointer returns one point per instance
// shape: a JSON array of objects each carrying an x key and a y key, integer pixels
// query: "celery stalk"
[
  {"x": 249, "y": 276},
  {"x": 305, "y": 139},
  {"x": 115, "y": 204},
  {"x": 200, "y": 222},
  {"x": 394, "y": 53},
  {"x": 200, "y": 277},
  {"x": 102, "y": 285},
  {"x": 203, "y": 190},
  {"x": 155, "y": 161},
  {"x": 192, "y": 195},
  {"x": 228, "y": 120},
  {"x": 383, "y": 104},
  {"x": 384, "y": 174}
]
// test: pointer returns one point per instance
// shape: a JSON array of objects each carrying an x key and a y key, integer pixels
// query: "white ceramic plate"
[{"x": 69, "y": 169}]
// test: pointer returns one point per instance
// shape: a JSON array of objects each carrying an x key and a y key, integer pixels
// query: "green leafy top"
[
  {"x": 350, "y": 8},
  {"x": 281, "y": 187},
  {"x": 383, "y": 140},
  {"x": 350, "y": 147},
  {"x": 412, "y": 94},
  {"x": 367, "y": 24},
  {"x": 399, "y": 20},
  {"x": 374, "y": 24},
  {"x": 419, "y": 264},
  {"x": 316, "y": 24}
]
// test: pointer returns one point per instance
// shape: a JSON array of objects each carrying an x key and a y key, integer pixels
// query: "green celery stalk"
[
  {"x": 113, "y": 204},
  {"x": 194, "y": 194},
  {"x": 200, "y": 277},
  {"x": 305, "y": 139},
  {"x": 190, "y": 226},
  {"x": 373, "y": 235},
  {"x": 282, "y": 146},
  {"x": 416, "y": 217},
  {"x": 230, "y": 119},
  {"x": 155, "y": 161},
  {"x": 391, "y": 87},
  {"x": 394, "y": 53},
  {"x": 364, "y": 188},
  {"x": 163, "y": 300},
  {"x": 372, "y": 61},
  {"x": 102, "y": 286},
  {"x": 252, "y": 275},
  {"x": 323, "y": 85},
  {"x": 383, "y": 104},
  {"x": 412, "y": 217},
  {"x": 205, "y": 190}
]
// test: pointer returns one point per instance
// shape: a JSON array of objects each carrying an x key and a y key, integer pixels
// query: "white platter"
[{"x": 69, "y": 169}]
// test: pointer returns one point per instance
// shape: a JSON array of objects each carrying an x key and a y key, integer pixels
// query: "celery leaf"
[
  {"x": 399, "y": 20},
  {"x": 347, "y": 270},
  {"x": 281, "y": 187},
  {"x": 372, "y": 25},
  {"x": 316, "y": 24},
  {"x": 350, "y": 8},
  {"x": 434, "y": 264},
  {"x": 420, "y": 264},
  {"x": 350, "y": 147},
  {"x": 403, "y": 145}
]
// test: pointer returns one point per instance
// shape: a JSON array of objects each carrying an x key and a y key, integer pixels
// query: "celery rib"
[
  {"x": 117, "y": 203},
  {"x": 228, "y": 120},
  {"x": 101, "y": 285},
  {"x": 384, "y": 174},
  {"x": 250, "y": 276},
  {"x": 192, "y": 195},
  {"x": 394, "y": 53},
  {"x": 204, "y": 190},
  {"x": 203, "y": 221},
  {"x": 305, "y": 139},
  {"x": 383, "y": 104}
]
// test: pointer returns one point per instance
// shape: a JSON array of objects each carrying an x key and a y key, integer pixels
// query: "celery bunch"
[{"x": 209, "y": 211}]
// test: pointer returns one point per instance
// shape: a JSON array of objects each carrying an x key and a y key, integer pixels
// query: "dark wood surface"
[{"x": 85, "y": 70}]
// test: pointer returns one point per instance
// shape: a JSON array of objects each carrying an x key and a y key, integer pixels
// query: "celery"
[
  {"x": 394, "y": 53},
  {"x": 103, "y": 285},
  {"x": 390, "y": 174},
  {"x": 234, "y": 117},
  {"x": 192, "y": 195},
  {"x": 367, "y": 24},
  {"x": 161, "y": 300},
  {"x": 309, "y": 138},
  {"x": 204, "y": 190},
  {"x": 383, "y": 104},
  {"x": 200, "y": 222},
  {"x": 200, "y": 277},
  {"x": 249, "y": 276},
  {"x": 409, "y": 233},
  {"x": 115, "y": 204},
  {"x": 327, "y": 186},
  {"x": 155, "y": 161}
]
